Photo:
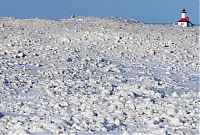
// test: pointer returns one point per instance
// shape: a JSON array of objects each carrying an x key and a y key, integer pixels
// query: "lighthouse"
[
  {"x": 183, "y": 13},
  {"x": 184, "y": 21}
]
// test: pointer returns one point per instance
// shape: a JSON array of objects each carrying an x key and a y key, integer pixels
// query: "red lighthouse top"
[{"x": 186, "y": 19}]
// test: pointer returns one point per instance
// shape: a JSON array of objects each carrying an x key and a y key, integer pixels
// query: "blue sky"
[{"x": 149, "y": 11}]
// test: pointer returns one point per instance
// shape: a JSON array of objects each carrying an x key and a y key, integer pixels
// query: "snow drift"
[{"x": 93, "y": 75}]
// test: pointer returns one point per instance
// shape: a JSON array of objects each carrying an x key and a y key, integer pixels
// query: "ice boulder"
[{"x": 1, "y": 115}]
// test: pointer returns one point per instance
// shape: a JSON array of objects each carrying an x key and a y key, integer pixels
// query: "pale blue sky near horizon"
[{"x": 148, "y": 11}]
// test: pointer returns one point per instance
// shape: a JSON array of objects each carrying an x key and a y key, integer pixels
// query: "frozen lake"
[{"x": 90, "y": 75}]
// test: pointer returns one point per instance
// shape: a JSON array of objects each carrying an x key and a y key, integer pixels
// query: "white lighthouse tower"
[
  {"x": 184, "y": 21},
  {"x": 183, "y": 13}
]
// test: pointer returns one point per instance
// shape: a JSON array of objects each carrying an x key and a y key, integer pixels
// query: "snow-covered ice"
[{"x": 90, "y": 75}]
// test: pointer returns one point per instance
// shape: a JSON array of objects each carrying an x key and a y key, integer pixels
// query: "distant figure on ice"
[
  {"x": 184, "y": 21},
  {"x": 72, "y": 16}
]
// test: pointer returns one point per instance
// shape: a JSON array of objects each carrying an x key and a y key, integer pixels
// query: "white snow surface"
[{"x": 89, "y": 75}]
